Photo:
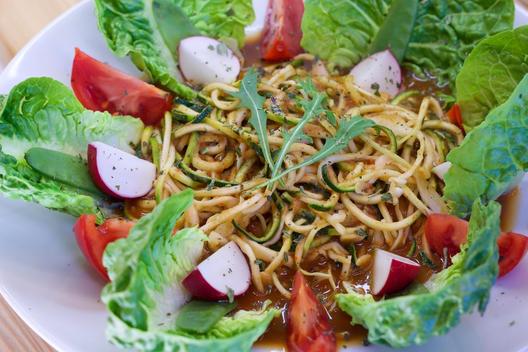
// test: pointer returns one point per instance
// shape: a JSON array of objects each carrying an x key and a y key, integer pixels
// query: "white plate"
[{"x": 45, "y": 279}]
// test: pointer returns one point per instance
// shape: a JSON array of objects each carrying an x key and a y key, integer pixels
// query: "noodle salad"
[{"x": 333, "y": 180}]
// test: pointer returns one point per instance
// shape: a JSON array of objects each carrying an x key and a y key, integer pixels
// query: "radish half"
[
  {"x": 392, "y": 272},
  {"x": 119, "y": 174},
  {"x": 224, "y": 271},
  {"x": 205, "y": 60},
  {"x": 379, "y": 72},
  {"x": 441, "y": 170}
]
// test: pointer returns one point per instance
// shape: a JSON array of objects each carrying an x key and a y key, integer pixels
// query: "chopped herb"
[
  {"x": 353, "y": 253},
  {"x": 375, "y": 87},
  {"x": 230, "y": 295},
  {"x": 425, "y": 260},
  {"x": 362, "y": 232},
  {"x": 222, "y": 49},
  {"x": 260, "y": 264},
  {"x": 386, "y": 197},
  {"x": 412, "y": 250}
]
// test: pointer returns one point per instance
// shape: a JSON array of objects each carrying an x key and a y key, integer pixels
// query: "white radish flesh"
[
  {"x": 119, "y": 174},
  {"x": 379, "y": 72},
  {"x": 442, "y": 169},
  {"x": 225, "y": 271},
  {"x": 205, "y": 60}
]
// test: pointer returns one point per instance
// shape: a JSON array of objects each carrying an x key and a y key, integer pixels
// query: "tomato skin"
[
  {"x": 309, "y": 328},
  {"x": 445, "y": 231},
  {"x": 92, "y": 240},
  {"x": 455, "y": 116},
  {"x": 100, "y": 87},
  {"x": 448, "y": 231},
  {"x": 281, "y": 38},
  {"x": 512, "y": 248}
]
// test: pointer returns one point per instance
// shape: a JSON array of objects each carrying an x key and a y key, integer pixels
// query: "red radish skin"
[
  {"x": 145, "y": 177},
  {"x": 392, "y": 273},
  {"x": 223, "y": 273},
  {"x": 200, "y": 288}
]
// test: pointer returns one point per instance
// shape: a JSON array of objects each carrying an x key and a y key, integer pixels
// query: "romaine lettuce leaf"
[
  {"x": 146, "y": 292},
  {"x": 340, "y": 31},
  {"x": 491, "y": 156},
  {"x": 444, "y": 32},
  {"x": 490, "y": 74},
  {"x": 41, "y": 112},
  {"x": 20, "y": 181},
  {"x": 150, "y": 30},
  {"x": 414, "y": 318}
]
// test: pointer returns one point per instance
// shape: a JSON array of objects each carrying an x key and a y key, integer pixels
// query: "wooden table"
[{"x": 20, "y": 20}]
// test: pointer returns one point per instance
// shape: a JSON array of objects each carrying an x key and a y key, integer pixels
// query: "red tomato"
[
  {"x": 448, "y": 231},
  {"x": 512, "y": 248},
  {"x": 455, "y": 116},
  {"x": 281, "y": 38},
  {"x": 445, "y": 231},
  {"x": 92, "y": 240},
  {"x": 100, "y": 87},
  {"x": 309, "y": 328}
]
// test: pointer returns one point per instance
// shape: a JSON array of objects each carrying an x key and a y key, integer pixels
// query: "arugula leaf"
[
  {"x": 249, "y": 98},
  {"x": 490, "y": 73},
  {"x": 492, "y": 156},
  {"x": 348, "y": 128},
  {"x": 312, "y": 109},
  {"x": 145, "y": 295},
  {"x": 416, "y": 317}
]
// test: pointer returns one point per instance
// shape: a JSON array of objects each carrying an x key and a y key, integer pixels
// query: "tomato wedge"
[
  {"x": 309, "y": 328},
  {"x": 100, "y": 87},
  {"x": 455, "y": 116},
  {"x": 512, "y": 248},
  {"x": 445, "y": 231},
  {"x": 92, "y": 240},
  {"x": 281, "y": 38},
  {"x": 448, "y": 231}
]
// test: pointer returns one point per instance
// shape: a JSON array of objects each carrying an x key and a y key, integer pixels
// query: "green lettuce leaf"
[
  {"x": 415, "y": 318},
  {"x": 492, "y": 156},
  {"x": 490, "y": 73},
  {"x": 341, "y": 31},
  {"x": 150, "y": 30},
  {"x": 444, "y": 32},
  {"x": 41, "y": 112},
  {"x": 145, "y": 293},
  {"x": 447, "y": 30},
  {"x": 20, "y": 181}
]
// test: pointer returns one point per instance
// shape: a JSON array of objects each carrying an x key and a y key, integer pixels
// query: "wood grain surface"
[{"x": 20, "y": 20}]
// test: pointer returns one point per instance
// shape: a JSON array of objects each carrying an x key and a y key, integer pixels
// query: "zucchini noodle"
[{"x": 374, "y": 193}]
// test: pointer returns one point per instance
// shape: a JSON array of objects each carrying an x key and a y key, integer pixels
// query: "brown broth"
[{"x": 510, "y": 209}]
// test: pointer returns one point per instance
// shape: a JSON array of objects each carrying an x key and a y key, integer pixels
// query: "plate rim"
[{"x": 50, "y": 338}]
